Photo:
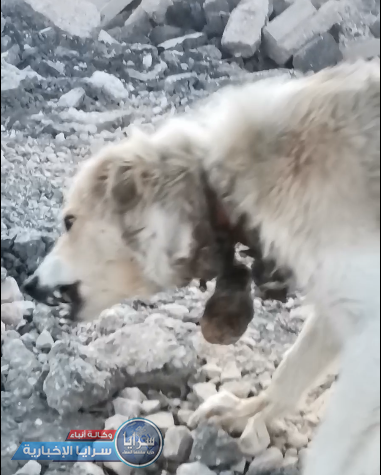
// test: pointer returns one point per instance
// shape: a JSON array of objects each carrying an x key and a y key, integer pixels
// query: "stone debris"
[
  {"x": 163, "y": 420},
  {"x": 320, "y": 53},
  {"x": 73, "y": 98},
  {"x": 270, "y": 460},
  {"x": 243, "y": 34},
  {"x": 361, "y": 49},
  {"x": 178, "y": 444},
  {"x": 109, "y": 84},
  {"x": 128, "y": 408},
  {"x": 204, "y": 391},
  {"x": 76, "y": 77},
  {"x": 45, "y": 341}
]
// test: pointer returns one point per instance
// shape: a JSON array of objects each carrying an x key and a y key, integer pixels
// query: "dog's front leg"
[
  {"x": 315, "y": 349},
  {"x": 347, "y": 443}
]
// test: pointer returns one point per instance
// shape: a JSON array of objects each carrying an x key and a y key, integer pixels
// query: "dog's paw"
[
  {"x": 215, "y": 407},
  {"x": 228, "y": 411}
]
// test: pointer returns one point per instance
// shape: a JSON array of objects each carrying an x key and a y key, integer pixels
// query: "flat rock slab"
[{"x": 74, "y": 17}]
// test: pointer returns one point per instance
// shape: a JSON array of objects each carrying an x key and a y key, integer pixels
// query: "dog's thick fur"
[{"x": 298, "y": 159}]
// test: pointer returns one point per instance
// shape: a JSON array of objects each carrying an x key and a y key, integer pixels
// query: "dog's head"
[{"x": 136, "y": 222}]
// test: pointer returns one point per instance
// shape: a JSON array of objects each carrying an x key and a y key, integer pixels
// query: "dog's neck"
[{"x": 220, "y": 221}]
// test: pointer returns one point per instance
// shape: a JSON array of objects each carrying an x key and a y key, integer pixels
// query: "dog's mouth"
[{"x": 64, "y": 294}]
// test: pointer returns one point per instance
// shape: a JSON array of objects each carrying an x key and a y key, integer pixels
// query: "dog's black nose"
[
  {"x": 30, "y": 286},
  {"x": 33, "y": 288}
]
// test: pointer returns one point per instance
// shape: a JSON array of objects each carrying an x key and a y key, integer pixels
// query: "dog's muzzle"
[{"x": 68, "y": 294}]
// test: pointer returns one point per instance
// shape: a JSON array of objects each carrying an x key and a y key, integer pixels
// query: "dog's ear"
[
  {"x": 134, "y": 171},
  {"x": 131, "y": 182}
]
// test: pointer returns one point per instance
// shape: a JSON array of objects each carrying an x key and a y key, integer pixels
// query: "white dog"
[{"x": 298, "y": 159}]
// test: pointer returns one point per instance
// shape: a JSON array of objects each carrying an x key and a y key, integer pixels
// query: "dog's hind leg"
[
  {"x": 346, "y": 443},
  {"x": 316, "y": 348}
]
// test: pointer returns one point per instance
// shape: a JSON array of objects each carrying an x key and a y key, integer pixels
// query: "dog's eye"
[{"x": 69, "y": 221}]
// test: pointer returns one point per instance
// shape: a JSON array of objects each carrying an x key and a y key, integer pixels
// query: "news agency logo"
[{"x": 138, "y": 443}]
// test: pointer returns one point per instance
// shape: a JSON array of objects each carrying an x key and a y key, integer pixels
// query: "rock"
[
  {"x": 320, "y": 53},
  {"x": 240, "y": 389},
  {"x": 178, "y": 444},
  {"x": 183, "y": 416},
  {"x": 281, "y": 5},
  {"x": 108, "y": 9},
  {"x": 73, "y": 98},
  {"x": 204, "y": 391},
  {"x": 175, "y": 310},
  {"x": 154, "y": 75},
  {"x": 109, "y": 84},
  {"x": 178, "y": 83},
  {"x": 30, "y": 468},
  {"x": 283, "y": 36},
  {"x": 193, "y": 40},
  {"x": 97, "y": 120},
  {"x": 77, "y": 18},
  {"x": 86, "y": 468},
  {"x": 106, "y": 38},
  {"x": 114, "y": 422},
  {"x": 195, "y": 468},
  {"x": 211, "y": 371},
  {"x": 163, "y": 33},
  {"x": 163, "y": 420},
  {"x": 375, "y": 28},
  {"x": 127, "y": 408},
  {"x": 217, "y": 14},
  {"x": 75, "y": 382},
  {"x": 214, "y": 448},
  {"x": 133, "y": 394},
  {"x": 150, "y": 407},
  {"x": 137, "y": 24},
  {"x": 243, "y": 33},
  {"x": 361, "y": 49},
  {"x": 255, "y": 438},
  {"x": 186, "y": 15},
  {"x": 157, "y": 10},
  {"x": 11, "y": 314},
  {"x": 45, "y": 341},
  {"x": 230, "y": 373},
  {"x": 267, "y": 461},
  {"x": 10, "y": 291}
]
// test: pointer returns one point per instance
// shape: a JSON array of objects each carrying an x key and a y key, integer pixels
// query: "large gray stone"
[
  {"x": 156, "y": 9},
  {"x": 108, "y": 9},
  {"x": 81, "y": 377},
  {"x": 77, "y": 18},
  {"x": 297, "y": 26},
  {"x": 178, "y": 444},
  {"x": 281, "y": 36},
  {"x": 214, "y": 448},
  {"x": 243, "y": 33},
  {"x": 361, "y": 48},
  {"x": 320, "y": 53},
  {"x": 217, "y": 14}
]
